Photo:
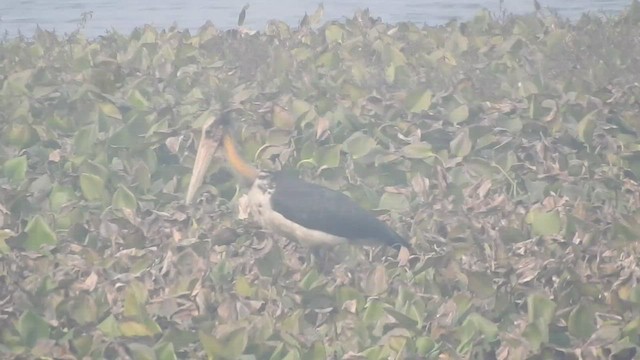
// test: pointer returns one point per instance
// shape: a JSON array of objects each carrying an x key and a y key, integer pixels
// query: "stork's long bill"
[{"x": 212, "y": 134}]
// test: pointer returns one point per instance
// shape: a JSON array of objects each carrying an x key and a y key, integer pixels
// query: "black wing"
[{"x": 319, "y": 208}]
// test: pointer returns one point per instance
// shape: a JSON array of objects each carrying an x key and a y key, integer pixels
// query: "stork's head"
[
  {"x": 264, "y": 181},
  {"x": 213, "y": 132}
]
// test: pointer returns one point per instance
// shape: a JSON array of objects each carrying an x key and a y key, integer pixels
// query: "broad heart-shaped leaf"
[
  {"x": 544, "y": 222},
  {"x": 582, "y": 321},
  {"x": 480, "y": 283},
  {"x": 587, "y": 126},
  {"x": 244, "y": 288},
  {"x": 394, "y": 202},
  {"x": 418, "y": 100},
  {"x": 461, "y": 144},
  {"x": 328, "y": 156},
  {"x": 419, "y": 150},
  {"x": 32, "y": 328},
  {"x": 109, "y": 327},
  {"x": 110, "y": 110},
  {"x": 60, "y": 196},
  {"x": 230, "y": 348},
  {"x": 141, "y": 351},
  {"x": 123, "y": 198},
  {"x": 92, "y": 187},
  {"x": 459, "y": 114},
  {"x": 138, "y": 328},
  {"x": 359, "y": 145},
  {"x": 540, "y": 309},
  {"x": 15, "y": 169},
  {"x": 317, "y": 351},
  {"x": 165, "y": 351},
  {"x": 38, "y": 234},
  {"x": 135, "y": 299},
  {"x": 334, "y": 34}
]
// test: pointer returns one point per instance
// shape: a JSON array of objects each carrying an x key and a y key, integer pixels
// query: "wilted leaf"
[{"x": 376, "y": 281}]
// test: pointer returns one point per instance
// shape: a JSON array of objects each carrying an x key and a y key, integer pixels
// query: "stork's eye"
[{"x": 264, "y": 176}]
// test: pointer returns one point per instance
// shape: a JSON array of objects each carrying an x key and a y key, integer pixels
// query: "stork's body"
[
  {"x": 311, "y": 214},
  {"x": 314, "y": 215}
]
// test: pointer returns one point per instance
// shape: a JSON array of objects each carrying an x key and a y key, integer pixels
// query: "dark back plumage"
[{"x": 320, "y": 208}]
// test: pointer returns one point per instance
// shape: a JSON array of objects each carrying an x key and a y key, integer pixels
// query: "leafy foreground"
[{"x": 506, "y": 150}]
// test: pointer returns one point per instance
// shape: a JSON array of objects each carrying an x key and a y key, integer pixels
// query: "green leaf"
[
  {"x": 83, "y": 310},
  {"x": 32, "y": 328},
  {"x": 136, "y": 329},
  {"x": 165, "y": 351},
  {"x": 299, "y": 108},
  {"x": 92, "y": 187},
  {"x": 582, "y": 322},
  {"x": 20, "y": 135},
  {"x": 123, "y": 198},
  {"x": 236, "y": 342},
  {"x": 38, "y": 234},
  {"x": 60, "y": 196},
  {"x": 109, "y": 327},
  {"x": 461, "y": 145},
  {"x": 110, "y": 110},
  {"x": 540, "y": 309},
  {"x": 418, "y": 101},
  {"x": 391, "y": 55},
  {"x": 404, "y": 320},
  {"x": 419, "y": 150},
  {"x": 244, "y": 288},
  {"x": 316, "y": 352},
  {"x": 137, "y": 100},
  {"x": 328, "y": 156},
  {"x": 485, "y": 326},
  {"x": 459, "y": 114},
  {"x": 334, "y": 34},
  {"x": 425, "y": 345},
  {"x": 394, "y": 202},
  {"x": 544, "y": 222},
  {"x": 141, "y": 351},
  {"x": 587, "y": 126},
  {"x": 16, "y": 169},
  {"x": 480, "y": 283},
  {"x": 359, "y": 145},
  {"x": 84, "y": 140},
  {"x": 135, "y": 299},
  {"x": 373, "y": 311}
]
